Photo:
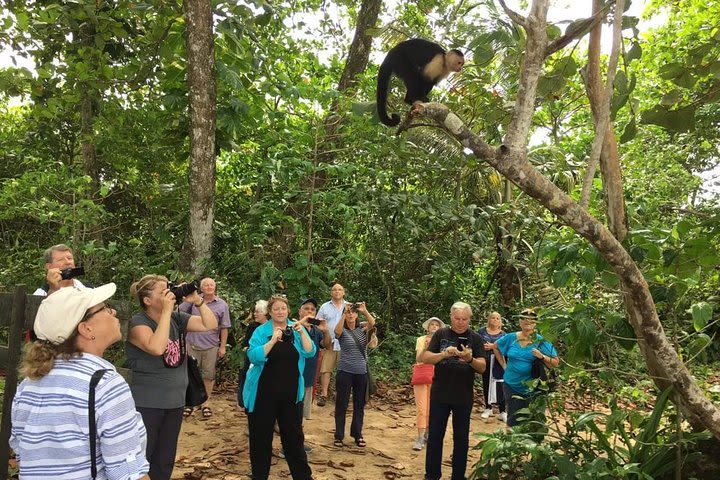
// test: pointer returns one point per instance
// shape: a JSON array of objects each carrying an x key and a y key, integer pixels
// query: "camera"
[
  {"x": 314, "y": 321},
  {"x": 287, "y": 334},
  {"x": 68, "y": 273},
  {"x": 356, "y": 306},
  {"x": 183, "y": 290}
]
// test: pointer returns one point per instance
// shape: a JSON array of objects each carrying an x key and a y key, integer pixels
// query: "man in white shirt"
[
  {"x": 57, "y": 258},
  {"x": 331, "y": 312}
]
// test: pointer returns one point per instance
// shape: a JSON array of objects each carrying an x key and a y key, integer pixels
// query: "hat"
[
  {"x": 426, "y": 323},
  {"x": 309, "y": 300},
  {"x": 528, "y": 314},
  {"x": 59, "y": 314}
]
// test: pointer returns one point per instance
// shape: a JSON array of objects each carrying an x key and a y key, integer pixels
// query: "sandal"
[
  {"x": 360, "y": 442},
  {"x": 206, "y": 412},
  {"x": 187, "y": 411},
  {"x": 338, "y": 443}
]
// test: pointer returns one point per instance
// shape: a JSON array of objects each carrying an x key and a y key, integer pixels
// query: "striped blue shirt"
[{"x": 50, "y": 429}]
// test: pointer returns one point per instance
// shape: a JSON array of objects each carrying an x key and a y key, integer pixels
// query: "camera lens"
[{"x": 182, "y": 290}]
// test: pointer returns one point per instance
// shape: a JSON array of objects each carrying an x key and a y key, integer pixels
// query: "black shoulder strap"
[
  {"x": 91, "y": 418},
  {"x": 357, "y": 342}
]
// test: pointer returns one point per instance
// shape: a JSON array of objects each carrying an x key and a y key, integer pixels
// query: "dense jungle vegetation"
[{"x": 102, "y": 148}]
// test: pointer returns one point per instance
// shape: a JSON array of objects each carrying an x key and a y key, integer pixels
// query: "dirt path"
[{"x": 217, "y": 448}]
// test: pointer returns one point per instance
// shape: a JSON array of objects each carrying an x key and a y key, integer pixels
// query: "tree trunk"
[
  {"x": 88, "y": 110},
  {"x": 303, "y": 209},
  {"x": 201, "y": 94},
  {"x": 511, "y": 160},
  {"x": 609, "y": 156}
]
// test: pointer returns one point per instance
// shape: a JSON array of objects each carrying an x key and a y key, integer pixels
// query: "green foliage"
[{"x": 620, "y": 444}]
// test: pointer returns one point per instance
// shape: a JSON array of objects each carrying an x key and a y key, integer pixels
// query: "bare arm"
[
  {"x": 370, "y": 319},
  {"x": 203, "y": 322},
  {"x": 223, "y": 342},
  {"x": 550, "y": 362},
  {"x": 340, "y": 325},
  {"x": 499, "y": 356},
  {"x": 305, "y": 340},
  {"x": 432, "y": 357}
]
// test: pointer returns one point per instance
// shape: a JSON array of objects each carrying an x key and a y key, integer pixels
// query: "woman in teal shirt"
[{"x": 517, "y": 352}]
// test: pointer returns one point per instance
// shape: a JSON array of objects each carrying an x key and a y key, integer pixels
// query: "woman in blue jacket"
[{"x": 274, "y": 390}]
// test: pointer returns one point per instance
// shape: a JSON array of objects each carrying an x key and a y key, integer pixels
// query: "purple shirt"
[{"x": 211, "y": 338}]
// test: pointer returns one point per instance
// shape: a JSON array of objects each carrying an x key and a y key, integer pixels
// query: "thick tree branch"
[
  {"x": 519, "y": 128},
  {"x": 603, "y": 115},
  {"x": 579, "y": 29},
  {"x": 514, "y": 16},
  {"x": 511, "y": 160},
  {"x": 513, "y": 163}
]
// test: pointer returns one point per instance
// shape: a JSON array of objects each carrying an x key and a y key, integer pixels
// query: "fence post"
[{"x": 15, "y": 339}]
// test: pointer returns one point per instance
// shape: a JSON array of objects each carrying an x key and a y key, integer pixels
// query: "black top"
[
  {"x": 279, "y": 378},
  {"x": 454, "y": 378}
]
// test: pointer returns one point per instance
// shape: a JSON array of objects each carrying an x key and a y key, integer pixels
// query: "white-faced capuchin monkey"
[{"x": 420, "y": 64}]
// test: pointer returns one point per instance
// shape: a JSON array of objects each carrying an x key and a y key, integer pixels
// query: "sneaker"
[
  {"x": 503, "y": 417},
  {"x": 419, "y": 443},
  {"x": 487, "y": 413},
  {"x": 321, "y": 400}
]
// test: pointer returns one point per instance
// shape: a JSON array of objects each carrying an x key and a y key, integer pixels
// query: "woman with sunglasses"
[
  {"x": 516, "y": 353},
  {"x": 274, "y": 390},
  {"x": 51, "y": 410},
  {"x": 155, "y": 354}
]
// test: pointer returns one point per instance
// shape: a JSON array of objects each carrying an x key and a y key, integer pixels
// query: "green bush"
[{"x": 622, "y": 444}]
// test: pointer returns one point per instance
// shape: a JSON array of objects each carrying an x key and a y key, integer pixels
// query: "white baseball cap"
[{"x": 60, "y": 313}]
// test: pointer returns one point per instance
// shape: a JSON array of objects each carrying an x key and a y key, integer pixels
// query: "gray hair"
[
  {"x": 461, "y": 306},
  {"x": 60, "y": 247},
  {"x": 261, "y": 306}
]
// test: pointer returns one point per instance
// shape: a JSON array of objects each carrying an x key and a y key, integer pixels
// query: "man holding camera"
[
  {"x": 331, "y": 312},
  {"x": 207, "y": 347},
  {"x": 60, "y": 266}
]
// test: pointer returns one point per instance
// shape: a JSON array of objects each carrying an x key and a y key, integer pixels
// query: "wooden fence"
[{"x": 17, "y": 314}]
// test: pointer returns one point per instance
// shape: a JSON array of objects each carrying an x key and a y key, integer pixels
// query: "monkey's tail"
[{"x": 383, "y": 86}]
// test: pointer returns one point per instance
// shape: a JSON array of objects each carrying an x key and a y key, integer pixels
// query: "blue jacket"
[{"x": 256, "y": 355}]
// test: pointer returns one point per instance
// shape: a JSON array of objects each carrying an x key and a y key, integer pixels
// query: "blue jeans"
[{"x": 437, "y": 424}]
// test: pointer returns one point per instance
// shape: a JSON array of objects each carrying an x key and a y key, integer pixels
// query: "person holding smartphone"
[{"x": 457, "y": 353}]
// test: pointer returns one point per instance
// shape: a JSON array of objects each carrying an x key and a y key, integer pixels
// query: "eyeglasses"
[{"x": 105, "y": 308}]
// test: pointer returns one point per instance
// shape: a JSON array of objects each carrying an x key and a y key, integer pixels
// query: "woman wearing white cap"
[
  {"x": 50, "y": 412},
  {"x": 422, "y": 380}
]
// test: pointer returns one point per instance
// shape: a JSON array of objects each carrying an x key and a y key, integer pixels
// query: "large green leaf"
[
  {"x": 701, "y": 314},
  {"x": 678, "y": 120}
]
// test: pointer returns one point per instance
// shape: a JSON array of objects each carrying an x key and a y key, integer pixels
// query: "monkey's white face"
[{"x": 455, "y": 62}]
